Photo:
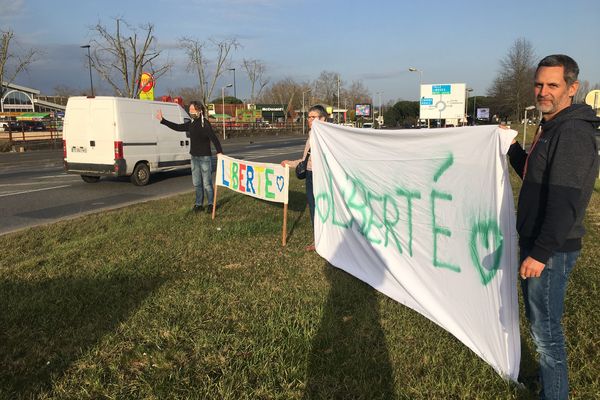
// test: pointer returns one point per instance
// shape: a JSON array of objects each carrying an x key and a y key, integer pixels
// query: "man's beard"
[{"x": 546, "y": 108}]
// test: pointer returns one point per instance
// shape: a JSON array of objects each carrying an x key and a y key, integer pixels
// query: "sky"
[{"x": 370, "y": 41}]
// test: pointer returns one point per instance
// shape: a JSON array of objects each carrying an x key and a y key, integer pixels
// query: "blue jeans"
[
  {"x": 202, "y": 179},
  {"x": 544, "y": 304},
  {"x": 310, "y": 196}
]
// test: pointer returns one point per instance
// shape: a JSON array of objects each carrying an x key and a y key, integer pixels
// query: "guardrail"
[{"x": 21, "y": 140}]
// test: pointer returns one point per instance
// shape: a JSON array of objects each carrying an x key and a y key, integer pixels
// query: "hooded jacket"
[{"x": 558, "y": 181}]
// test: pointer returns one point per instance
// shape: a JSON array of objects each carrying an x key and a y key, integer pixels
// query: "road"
[{"x": 34, "y": 190}]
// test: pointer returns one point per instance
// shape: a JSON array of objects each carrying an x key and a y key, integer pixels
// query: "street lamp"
[
  {"x": 234, "y": 88},
  {"x": 529, "y": 108},
  {"x": 338, "y": 99},
  {"x": 223, "y": 111},
  {"x": 303, "y": 112},
  {"x": 206, "y": 99},
  {"x": 413, "y": 69},
  {"x": 469, "y": 90},
  {"x": 474, "y": 109},
  {"x": 87, "y": 46},
  {"x": 379, "y": 118}
]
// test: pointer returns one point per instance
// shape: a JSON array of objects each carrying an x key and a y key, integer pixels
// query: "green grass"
[{"x": 153, "y": 302}]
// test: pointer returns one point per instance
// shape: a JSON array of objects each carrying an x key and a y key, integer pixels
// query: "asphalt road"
[{"x": 34, "y": 190}]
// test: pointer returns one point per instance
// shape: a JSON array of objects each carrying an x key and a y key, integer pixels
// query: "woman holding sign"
[
  {"x": 201, "y": 134},
  {"x": 315, "y": 112}
]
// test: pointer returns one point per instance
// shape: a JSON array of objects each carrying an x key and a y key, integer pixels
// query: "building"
[{"x": 20, "y": 99}]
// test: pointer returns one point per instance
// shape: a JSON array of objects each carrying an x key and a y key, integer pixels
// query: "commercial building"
[{"x": 19, "y": 99}]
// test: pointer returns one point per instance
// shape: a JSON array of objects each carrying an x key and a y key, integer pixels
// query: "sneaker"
[
  {"x": 209, "y": 209},
  {"x": 197, "y": 208}
]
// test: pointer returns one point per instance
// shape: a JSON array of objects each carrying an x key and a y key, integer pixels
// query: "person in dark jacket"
[
  {"x": 201, "y": 134},
  {"x": 558, "y": 180}
]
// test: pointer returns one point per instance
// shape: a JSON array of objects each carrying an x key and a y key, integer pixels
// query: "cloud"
[{"x": 11, "y": 8}]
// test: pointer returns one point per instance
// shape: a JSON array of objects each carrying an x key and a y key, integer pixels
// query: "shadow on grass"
[
  {"x": 48, "y": 324},
  {"x": 349, "y": 357},
  {"x": 296, "y": 201},
  {"x": 528, "y": 374}
]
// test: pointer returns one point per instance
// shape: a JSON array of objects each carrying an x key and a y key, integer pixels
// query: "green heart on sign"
[{"x": 484, "y": 231}]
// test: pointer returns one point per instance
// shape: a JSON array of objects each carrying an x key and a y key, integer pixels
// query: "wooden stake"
[
  {"x": 284, "y": 233},
  {"x": 214, "y": 202}
]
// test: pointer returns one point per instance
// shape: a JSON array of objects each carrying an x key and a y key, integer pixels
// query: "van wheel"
[
  {"x": 90, "y": 178},
  {"x": 141, "y": 174}
]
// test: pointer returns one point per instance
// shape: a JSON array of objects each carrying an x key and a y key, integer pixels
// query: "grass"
[{"x": 153, "y": 302}]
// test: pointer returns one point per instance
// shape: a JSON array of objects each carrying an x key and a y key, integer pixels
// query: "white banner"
[
  {"x": 265, "y": 181},
  {"x": 427, "y": 218}
]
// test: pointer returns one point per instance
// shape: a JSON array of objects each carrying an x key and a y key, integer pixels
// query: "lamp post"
[
  {"x": 413, "y": 69},
  {"x": 474, "y": 109},
  {"x": 303, "y": 112},
  {"x": 469, "y": 90},
  {"x": 379, "y": 114},
  {"x": 234, "y": 88},
  {"x": 338, "y": 99},
  {"x": 223, "y": 111},
  {"x": 529, "y": 108},
  {"x": 206, "y": 99},
  {"x": 372, "y": 110},
  {"x": 87, "y": 46}
]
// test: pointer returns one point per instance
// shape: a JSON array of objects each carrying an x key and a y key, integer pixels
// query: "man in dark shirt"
[
  {"x": 201, "y": 134},
  {"x": 558, "y": 180}
]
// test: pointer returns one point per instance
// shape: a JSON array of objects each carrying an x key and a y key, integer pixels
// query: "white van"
[{"x": 115, "y": 136}]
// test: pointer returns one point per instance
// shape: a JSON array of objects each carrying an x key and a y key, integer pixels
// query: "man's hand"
[
  {"x": 506, "y": 127},
  {"x": 159, "y": 115},
  {"x": 531, "y": 268},
  {"x": 284, "y": 163}
]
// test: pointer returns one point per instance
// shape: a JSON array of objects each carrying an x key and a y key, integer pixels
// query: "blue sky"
[{"x": 375, "y": 42}]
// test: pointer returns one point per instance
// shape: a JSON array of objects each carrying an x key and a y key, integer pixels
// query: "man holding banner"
[
  {"x": 558, "y": 180},
  {"x": 201, "y": 134},
  {"x": 315, "y": 112}
]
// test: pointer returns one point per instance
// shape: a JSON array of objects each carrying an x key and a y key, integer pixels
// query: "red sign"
[{"x": 146, "y": 82}]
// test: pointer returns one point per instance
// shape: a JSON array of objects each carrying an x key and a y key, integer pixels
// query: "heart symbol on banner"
[
  {"x": 488, "y": 234},
  {"x": 280, "y": 183}
]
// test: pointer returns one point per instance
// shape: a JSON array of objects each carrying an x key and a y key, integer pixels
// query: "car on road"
[{"x": 31, "y": 126}]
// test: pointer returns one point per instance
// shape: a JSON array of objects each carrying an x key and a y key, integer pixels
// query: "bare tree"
[
  {"x": 67, "y": 91},
  {"x": 255, "y": 70},
  {"x": 187, "y": 94},
  {"x": 120, "y": 58},
  {"x": 513, "y": 86},
  {"x": 325, "y": 87},
  {"x": 12, "y": 63},
  {"x": 584, "y": 88},
  {"x": 357, "y": 93},
  {"x": 285, "y": 91},
  {"x": 199, "y": 63}
]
